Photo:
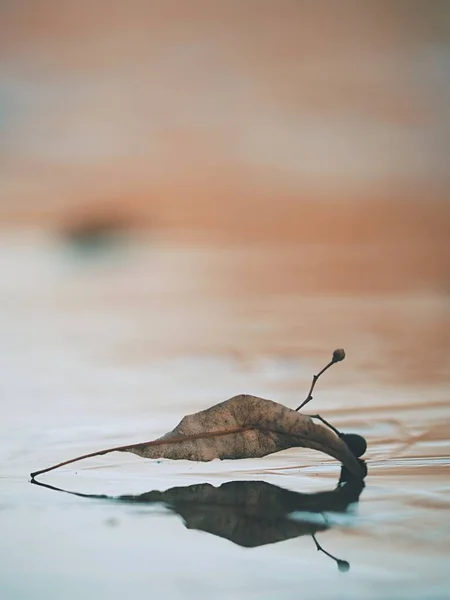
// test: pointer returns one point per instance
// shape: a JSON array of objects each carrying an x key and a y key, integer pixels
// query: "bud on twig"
[{"x": 338, "y": 355}]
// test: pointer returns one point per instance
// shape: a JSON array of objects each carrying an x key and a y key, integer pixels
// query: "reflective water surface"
[
  {"x": 101, "y": 349},
  {"x": 248, "y": 513}
]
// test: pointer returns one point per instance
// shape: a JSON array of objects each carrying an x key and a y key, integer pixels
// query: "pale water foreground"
[{"x": 102, "y": 350}]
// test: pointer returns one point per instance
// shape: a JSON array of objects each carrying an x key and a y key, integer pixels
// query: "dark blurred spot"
[{"x": 93, "y": 233}]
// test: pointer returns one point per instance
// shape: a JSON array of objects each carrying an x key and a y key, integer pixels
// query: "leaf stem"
[{"x": 159, "y": 442}]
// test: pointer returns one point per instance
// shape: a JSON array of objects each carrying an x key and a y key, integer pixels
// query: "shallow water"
[{"x": 109, "y": 348}]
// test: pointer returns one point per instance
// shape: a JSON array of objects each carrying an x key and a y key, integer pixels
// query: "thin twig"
[
  {"x": 319, "y": 418},
  {"x": 338, "y": 355}
]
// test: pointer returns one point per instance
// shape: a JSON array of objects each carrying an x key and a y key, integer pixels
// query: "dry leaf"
[
  {"x": 242, "y": 427},
  {"x": 245, "y": 427}
]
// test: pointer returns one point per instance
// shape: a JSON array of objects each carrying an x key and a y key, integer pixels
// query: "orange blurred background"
[
  {"x": 245, "y": 117},
  {"x": 319, "y": 130}
]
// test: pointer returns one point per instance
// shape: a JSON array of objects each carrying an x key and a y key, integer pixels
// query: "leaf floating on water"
[
  {"x": 242, "y": 427},
  {"x": 245, "y": 427}
]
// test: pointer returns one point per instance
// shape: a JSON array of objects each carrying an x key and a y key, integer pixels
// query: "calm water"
[{"x": 105, "y": 349}]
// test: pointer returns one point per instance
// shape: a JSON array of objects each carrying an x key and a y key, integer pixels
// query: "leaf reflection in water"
[{"x": 248, "y": 513}]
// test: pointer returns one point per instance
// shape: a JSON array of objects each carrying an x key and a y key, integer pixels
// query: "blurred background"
[
  {"x": 200, "y": 198},
  {"x": 233, "y": 177}
]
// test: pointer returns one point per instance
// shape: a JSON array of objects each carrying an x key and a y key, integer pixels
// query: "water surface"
[{"x": 109, "y": 349}]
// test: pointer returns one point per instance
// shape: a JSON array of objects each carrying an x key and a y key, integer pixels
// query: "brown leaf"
[
  {"x": 245, "y": 427},
  {"x": 242, "y": 427}
]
